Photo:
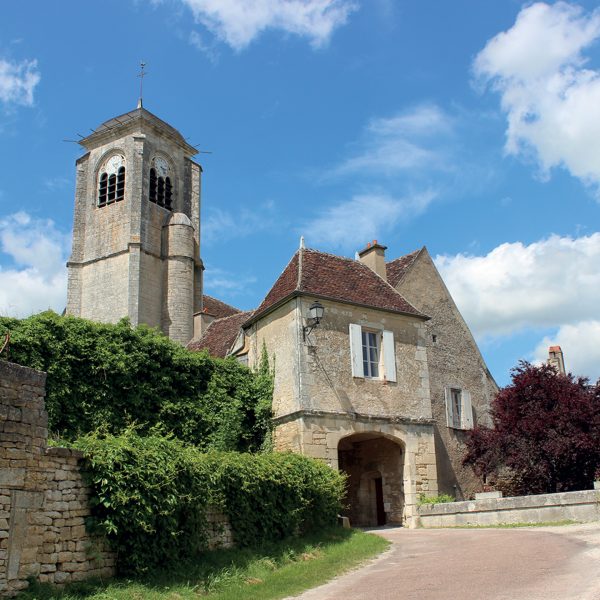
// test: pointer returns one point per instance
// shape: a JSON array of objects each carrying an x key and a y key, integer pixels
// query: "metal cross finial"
[{"x": 141, "y": 75}]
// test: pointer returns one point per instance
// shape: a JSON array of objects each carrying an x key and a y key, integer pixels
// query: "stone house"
[{"x": 383, "y": 387}]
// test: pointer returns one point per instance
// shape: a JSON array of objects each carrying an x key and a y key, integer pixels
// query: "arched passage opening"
[{"x": 374, "y": 465}]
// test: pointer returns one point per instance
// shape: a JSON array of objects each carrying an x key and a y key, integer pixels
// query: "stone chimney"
[
  {"x": 556, "y": 359},
  {"x": 374, "y": 257}
]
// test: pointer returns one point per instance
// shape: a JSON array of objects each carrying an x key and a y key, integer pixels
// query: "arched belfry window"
[
  {"x": 111, "y": 182},
  {"x": 160, "y": 189}
]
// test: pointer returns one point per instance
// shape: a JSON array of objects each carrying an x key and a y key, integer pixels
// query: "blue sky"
[{"x": 471, "y": 127}]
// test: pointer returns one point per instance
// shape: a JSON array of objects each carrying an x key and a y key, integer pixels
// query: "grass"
[
  {"x": 271, "y": 572},
  {"x": 512, "y": 525}
]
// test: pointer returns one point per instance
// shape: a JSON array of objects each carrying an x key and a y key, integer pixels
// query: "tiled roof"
[
  {"x": 337, "y": 278},
  {"x": 220, "y": 335},
  {"x": 218, "y": 309},
  {"x": 396, "y": 269}
]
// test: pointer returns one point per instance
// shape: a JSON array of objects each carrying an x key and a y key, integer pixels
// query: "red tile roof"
[
  {"x": 216, "y": 308},
  {"x": 220, "y": 335},
  {"x": 396, "y": 269},
  {"x": 336, "y": 278}
]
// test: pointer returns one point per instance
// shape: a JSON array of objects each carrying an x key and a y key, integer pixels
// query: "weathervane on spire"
[{"x": 141, "y": 75}]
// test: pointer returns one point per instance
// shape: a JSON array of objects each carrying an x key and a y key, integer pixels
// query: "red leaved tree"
[{"x": 545, "y": 434}]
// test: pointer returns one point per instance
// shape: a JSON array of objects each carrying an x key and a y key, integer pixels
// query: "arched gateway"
[{"x": 374, "y": 464}]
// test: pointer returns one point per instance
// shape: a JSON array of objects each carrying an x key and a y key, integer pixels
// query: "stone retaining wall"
[
  {"x": 576, "y": 506},
  {"x": 43, "y": 498}
]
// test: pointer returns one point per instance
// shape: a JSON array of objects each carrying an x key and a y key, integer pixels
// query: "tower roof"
[{"x": 139, "y": 119}]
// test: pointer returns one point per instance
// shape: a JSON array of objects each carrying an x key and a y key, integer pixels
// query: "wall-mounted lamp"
[{"x": 316, "y": 311}]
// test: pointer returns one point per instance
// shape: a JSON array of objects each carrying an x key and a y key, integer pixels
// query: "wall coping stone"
[
  {"x": 64, "y": 452},
  {"x": 24, "y": 375},
  {"x": 510, "y": 503}
]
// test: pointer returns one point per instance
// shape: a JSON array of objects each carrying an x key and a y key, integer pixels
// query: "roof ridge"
[
  {"x": 353, "y": 260},
  {"x": 299, "y": 278}
]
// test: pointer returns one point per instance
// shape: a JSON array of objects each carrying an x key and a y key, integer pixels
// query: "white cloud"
[
  {"x": 550, "y": 95},
  {"x": 580, "y": 344},
  {"x": 409, "y": 140},
  {"x": 18, "y": 81},
  {"x": 37, "y": 280},
  {"x": 352, "y": 223},
  {"x": 239, "y": 22},
  {"x": 549, "y": 283}
]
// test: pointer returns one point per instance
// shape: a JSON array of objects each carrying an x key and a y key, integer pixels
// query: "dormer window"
[
  {"x": 160, "y": 189},
  {"x": 111, "y": 183}
]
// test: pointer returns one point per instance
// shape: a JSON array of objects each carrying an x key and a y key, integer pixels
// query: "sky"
[{"x": 471, "y": 127}]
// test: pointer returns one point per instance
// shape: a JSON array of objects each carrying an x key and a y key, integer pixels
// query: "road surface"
[{"x": 549, "y": 563}]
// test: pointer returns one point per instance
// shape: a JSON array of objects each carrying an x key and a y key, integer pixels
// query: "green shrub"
[
  {"x": 441, "y": 499},
  {"x": 113, "y": 375},
  {"x": 150, "y": 495}
]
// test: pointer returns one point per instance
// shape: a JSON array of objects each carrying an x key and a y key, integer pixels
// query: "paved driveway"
[{"x": 554, "y": 563}]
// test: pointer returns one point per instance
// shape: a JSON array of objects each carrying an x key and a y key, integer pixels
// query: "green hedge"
[
  {"x": 102, "y": 375},
  {"x": 150, "y": 495}
]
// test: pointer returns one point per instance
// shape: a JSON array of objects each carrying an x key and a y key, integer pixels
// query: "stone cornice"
[{"x": 351, "y": 416}]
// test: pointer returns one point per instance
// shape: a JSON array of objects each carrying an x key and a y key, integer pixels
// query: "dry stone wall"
[{"x": 43, "y": 497}]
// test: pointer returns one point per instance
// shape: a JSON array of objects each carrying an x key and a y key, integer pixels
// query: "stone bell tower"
[{"x": 136, "y": 230}]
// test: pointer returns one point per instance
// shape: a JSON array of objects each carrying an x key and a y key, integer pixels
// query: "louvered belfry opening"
[
  {"x": 152, "y": 194},
  {"x": 111, "y": 186},
  {"x": 168, "y": 193},
  {"x": 120, "y": 184},
  {"x": 160, "y": 190},
  {"x": 103, "y": 189}
]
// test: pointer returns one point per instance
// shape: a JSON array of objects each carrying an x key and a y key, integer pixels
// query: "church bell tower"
[{"x": 136, "y": 230}]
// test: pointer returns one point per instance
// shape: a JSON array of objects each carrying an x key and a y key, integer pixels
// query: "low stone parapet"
[
  {"x": 580, "y": 506},
  {"x": 44, "y": 499}
]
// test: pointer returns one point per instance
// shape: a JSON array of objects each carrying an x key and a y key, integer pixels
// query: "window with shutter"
[
  {"x": 372, "y": 353},
  {"x": 459, "y": 410}
]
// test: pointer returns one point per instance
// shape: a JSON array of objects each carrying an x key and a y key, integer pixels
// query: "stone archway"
[{"x": 374, "y": 464}]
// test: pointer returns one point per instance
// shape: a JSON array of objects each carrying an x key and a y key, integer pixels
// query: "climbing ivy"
[{"x": 103, "y": 375}]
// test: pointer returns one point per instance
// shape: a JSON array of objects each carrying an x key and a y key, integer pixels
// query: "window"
[
  {"x": 161, "y": 189},
  {"x": 111, "y": 182},
  {"x": 372, "y": 352},
  {"x": 459, "y": 411}
]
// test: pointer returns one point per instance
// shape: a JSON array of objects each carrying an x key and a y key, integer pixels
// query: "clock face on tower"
[
  {"x": 161, "y": 166},
  {"x": 113, "y": 164}
]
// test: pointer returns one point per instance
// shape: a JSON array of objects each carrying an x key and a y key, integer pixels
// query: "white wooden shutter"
[
  {"x": 356, "y": 350},
  {"x": 449, "y": 407},
  {"x": 389, "y": 356},
  {"x": 467, "y": 410}
]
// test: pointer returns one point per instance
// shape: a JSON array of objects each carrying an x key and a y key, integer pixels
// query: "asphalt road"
[{"x": 550, "y": 563}]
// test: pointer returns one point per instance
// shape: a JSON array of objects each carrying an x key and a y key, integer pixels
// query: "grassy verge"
[{"x": 271, "y": 572}]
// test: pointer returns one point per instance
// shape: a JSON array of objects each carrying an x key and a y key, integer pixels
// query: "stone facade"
[
  {"x": 133, "y": 257},
  {"x": 321, "y": 410},
  {"x": 454, "y": 361},
  {"x": 43, "y": 498}
]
